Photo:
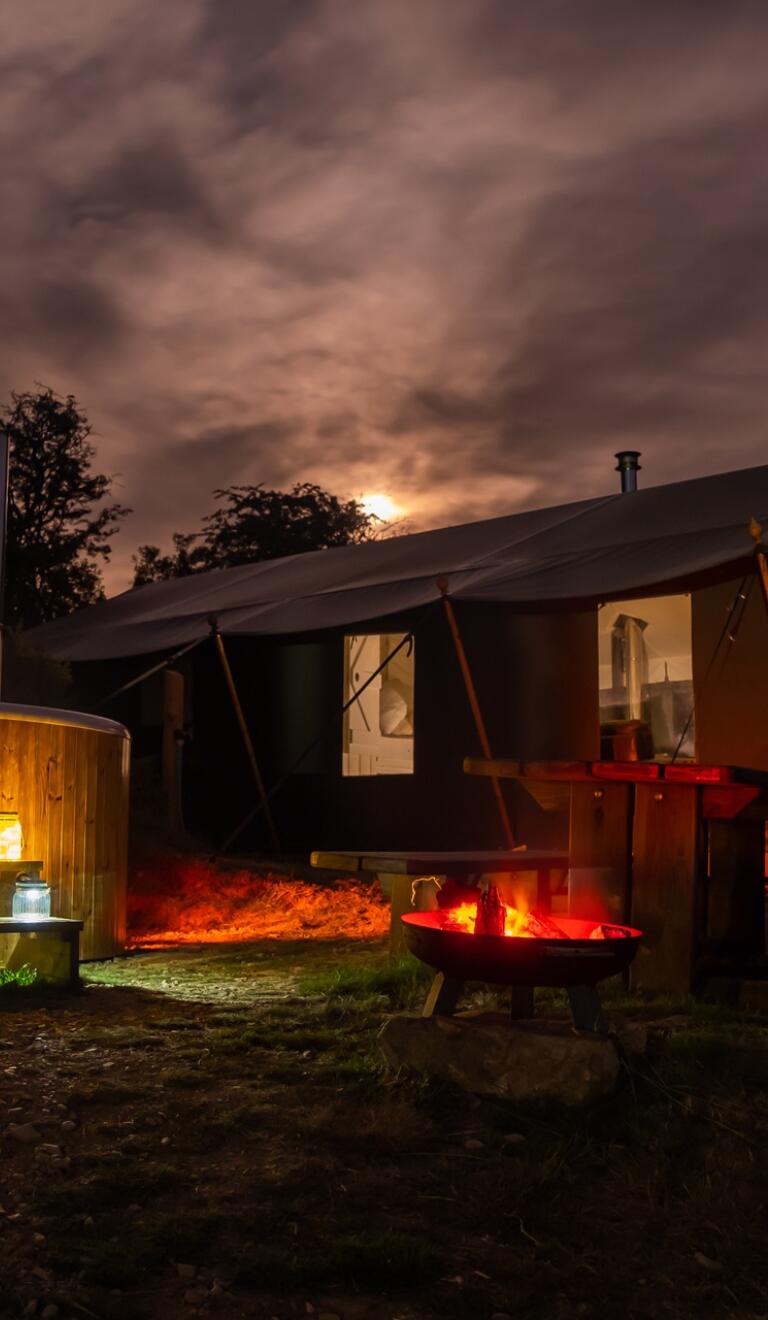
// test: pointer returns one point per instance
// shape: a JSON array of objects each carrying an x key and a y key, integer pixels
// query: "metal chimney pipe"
[{"x": 629, "y": 467}]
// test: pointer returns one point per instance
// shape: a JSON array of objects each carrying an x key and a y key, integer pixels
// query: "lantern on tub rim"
[
  {"x": 32, "y": 896},
  {"x": 11, "y": 842}
]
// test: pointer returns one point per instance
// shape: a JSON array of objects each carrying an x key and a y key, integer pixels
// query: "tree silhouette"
[
  {"x": 57, "y": 533},
  {"x": 254, "y": 523}
]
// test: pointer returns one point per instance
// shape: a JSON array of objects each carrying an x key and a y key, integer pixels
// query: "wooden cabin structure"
[{"x": 66, "y": 776}]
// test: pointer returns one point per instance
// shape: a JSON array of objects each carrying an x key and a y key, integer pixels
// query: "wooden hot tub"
[{"x": 66, "y": 776}]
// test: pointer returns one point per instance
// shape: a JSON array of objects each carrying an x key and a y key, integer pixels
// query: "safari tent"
[{"x": 644, "y": 604}]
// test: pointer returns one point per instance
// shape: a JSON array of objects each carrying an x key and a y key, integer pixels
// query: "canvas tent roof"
[{"x": 618, "y": 545}]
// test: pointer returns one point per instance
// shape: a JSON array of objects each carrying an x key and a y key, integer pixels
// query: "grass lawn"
[{"x": 213, "y": 1135}]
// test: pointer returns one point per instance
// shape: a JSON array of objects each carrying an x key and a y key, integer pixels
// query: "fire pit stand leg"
[
  {"x": 521, "y": 1001},
  {"x": 586, "y": 1008},
  {"x": 443, "y": 996}
]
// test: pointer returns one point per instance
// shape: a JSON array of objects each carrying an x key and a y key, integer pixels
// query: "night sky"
[{"x": 454, "y": 251}]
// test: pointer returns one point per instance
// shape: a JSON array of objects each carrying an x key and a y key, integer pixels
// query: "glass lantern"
[
  {"x": 31, "y": 898},
  {"x": 10, "y": 837}
]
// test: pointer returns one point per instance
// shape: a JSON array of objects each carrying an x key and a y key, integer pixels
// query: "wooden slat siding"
[
  {"x": 666, "y": 885},
  {"x": 107, "y": 838},
  {"x": 69, "y": 787},
  {"x": 27, "y": 786},
  {"x": 54, "y": 745},
  {"x": 79, "y": 825},
  {"x": 38, "y": 759},
  {"x": 121, "y": 879},
  {"x": 67, "y": 863},
  {"x": 99, "y": 901},
  {"x": 600, "y": 849},
  {"x": 9, "y": 801},
  {"x": 89, "y": 842},
  {"x": 31, "y": 787},
  {"x": 85, "y": 834}
]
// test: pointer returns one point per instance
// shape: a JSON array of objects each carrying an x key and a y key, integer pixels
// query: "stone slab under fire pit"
[{"x": 489, "y": 1054}]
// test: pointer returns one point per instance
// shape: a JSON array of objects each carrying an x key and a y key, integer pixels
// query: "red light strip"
[
  {"x": 632, "y": 770},
  {"x": 698, "y": 774}
]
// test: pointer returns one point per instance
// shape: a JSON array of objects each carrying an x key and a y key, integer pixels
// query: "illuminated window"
[
  {"x": 646, "y": 670},
  {"x": 378, "y": 727}
]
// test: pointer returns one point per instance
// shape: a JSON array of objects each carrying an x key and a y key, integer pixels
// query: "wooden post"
[
  {"x": 477, "y": 714},
  {"x": 173, "y": 725},
  {"x": 666, "y": 885},
  {"x": 600, "y": 850}
]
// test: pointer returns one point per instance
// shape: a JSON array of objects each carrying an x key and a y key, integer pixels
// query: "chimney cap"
[{"x": 629, "y": 467}]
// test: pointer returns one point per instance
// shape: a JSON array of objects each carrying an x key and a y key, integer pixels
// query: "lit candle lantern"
[
  {"x": 32, "y": 896},
  {"x": 11, "y": 842}
]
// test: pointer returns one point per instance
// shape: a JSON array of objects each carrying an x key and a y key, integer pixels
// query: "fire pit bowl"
[{"x": 509, "y": 960}]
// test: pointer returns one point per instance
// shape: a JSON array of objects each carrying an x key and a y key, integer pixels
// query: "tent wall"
[
  {"x": 536, "y": 682},
  {"x": 732, "y": 700}
]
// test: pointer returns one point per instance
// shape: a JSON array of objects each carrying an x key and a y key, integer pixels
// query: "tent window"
[
  {"x": 378, "y": 727},
  {"x": 646, "y": 668}
]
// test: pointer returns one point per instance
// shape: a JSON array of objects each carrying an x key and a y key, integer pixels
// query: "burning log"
[
  {"x": 490, "y": 913},
  {"x": 544, "y": 928}
]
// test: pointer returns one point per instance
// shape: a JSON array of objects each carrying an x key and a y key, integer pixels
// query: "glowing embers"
[
  {"x": 490, "y": 915},
  {"x": 465, "y": 917},
  {"x": 11, "y": 842}
]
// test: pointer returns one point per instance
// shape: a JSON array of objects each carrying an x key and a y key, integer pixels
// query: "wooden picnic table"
[{"x": 675, "y": 849}]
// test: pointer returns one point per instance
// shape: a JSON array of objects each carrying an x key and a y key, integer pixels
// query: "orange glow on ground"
[{"x": 183, "y": 901}]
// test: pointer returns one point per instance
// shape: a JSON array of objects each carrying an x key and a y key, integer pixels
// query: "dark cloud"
[
  {"x": 151, "y": 180},
  {"x": 187, "y": 473},
  {"x": 67, "y": 317},
  {"x": 455, "y": 252}
]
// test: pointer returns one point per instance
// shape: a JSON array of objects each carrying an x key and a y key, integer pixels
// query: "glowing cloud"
[{"x": 381, "y": 506}]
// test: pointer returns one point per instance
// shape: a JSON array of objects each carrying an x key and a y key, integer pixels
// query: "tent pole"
[
  {"x": 246, "y": 737},
  {"x": 474, "y": 704},
  {"x": 756, "y": 532}
]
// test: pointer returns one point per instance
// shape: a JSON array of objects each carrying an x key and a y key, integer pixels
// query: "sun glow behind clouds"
[{"x": 381, "y": 506}]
